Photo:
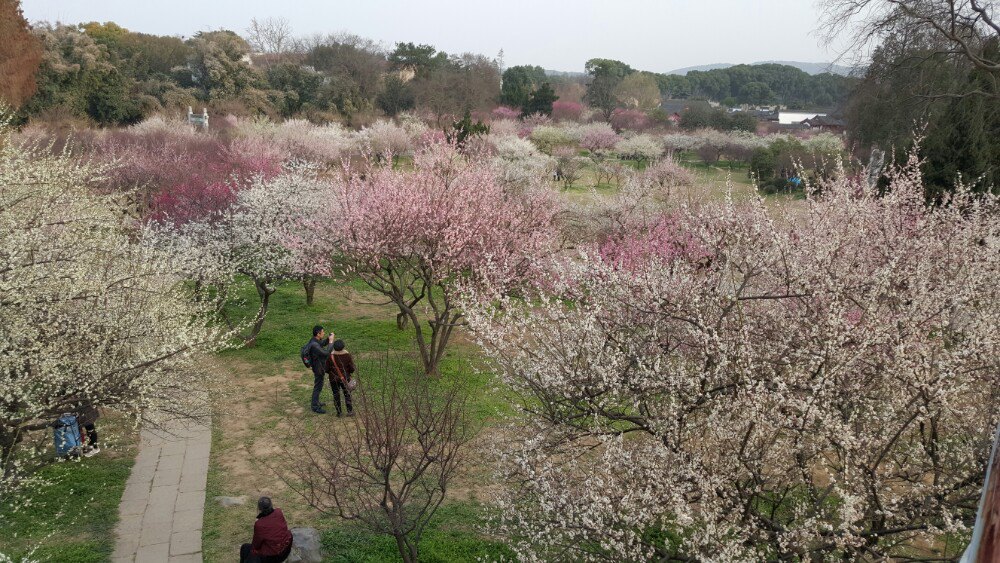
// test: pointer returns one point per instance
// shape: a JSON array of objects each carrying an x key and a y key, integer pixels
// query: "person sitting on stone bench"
[{"x": 272, "y": 540}]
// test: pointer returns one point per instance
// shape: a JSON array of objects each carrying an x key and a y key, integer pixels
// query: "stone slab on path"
[{"x": 161, "y": 512}]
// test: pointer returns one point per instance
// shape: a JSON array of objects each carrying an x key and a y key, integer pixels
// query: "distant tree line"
[
  {"x": 615, "y": 83},
  {"x": 110, "y": 75},
  {"x": 760, "y": 85},
  {"x": 114, "y": 76}
]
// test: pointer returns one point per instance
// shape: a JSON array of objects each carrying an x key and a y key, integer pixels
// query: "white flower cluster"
[
  {"x": 384, "y": 137},
  {"x": 277, "y": 229},
  {"x": 518, "y": 163},
  {"x": 757, "y": 383},
  {"x": 324, "y": 144},
  {"x": 640, "y": 147},
  {"x": 86, "y": 313}
]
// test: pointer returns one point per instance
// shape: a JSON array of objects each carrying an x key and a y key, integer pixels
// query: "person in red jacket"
[{"x": 272, "y": 540}]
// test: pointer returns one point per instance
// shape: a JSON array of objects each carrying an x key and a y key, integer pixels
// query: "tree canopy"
[
  {"x": 20, "y": 54},
  {"x": 518, "y": 84}
]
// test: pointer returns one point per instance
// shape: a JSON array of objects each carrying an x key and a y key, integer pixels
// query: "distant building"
[
  {"x": 764, "y": 114},
  {"x": 199, "y": 121},
  {"x": 826, "y": 123},
  {"x": 791, "y": 117}
]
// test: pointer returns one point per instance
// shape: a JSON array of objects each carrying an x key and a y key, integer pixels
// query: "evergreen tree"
[
  {"x": 607, "y": 75},
  {"x": 422, "y": 59},
  {"x": 518, "y": 83},
  {"x": 299, "y": 86},
  {"x": 464, "y": 129},
  {"x": 908, "y": 91},
  {"x": 540, "y": 101}
]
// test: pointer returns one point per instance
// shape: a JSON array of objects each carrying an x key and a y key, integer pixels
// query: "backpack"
[
  {"x": 304, "y": 354},
  {"x": 66, "y": 436}
]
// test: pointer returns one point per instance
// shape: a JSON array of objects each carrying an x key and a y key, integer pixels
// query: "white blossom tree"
[
  {"x": 277, "y": 229},
  {"x": 86, "y": 313},
  {"x": 739, "y": 383},
  {"x": 518, "y": 163},
  {"x": 640, "y": 147}
]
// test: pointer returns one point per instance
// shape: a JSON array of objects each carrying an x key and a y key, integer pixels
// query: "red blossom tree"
[
  {"x": 566, "y": 111},
  {"x": 182, "y": 175}
]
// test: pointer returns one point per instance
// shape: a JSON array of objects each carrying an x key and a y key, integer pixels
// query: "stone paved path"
[{"x": 160, "y": 516}]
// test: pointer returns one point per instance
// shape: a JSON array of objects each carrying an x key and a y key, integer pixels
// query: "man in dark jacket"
[
  {"x": 318, "y": 351},
  {"x": 272, "y": 540}
]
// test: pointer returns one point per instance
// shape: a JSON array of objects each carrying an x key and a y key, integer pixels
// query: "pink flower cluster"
[
  {"x": 185, "y": 175},
  {"x": 566, "y": 111},
  {"x": 505, "y": 112},
  {"x": 632, "y": 119},
  {"x": 450, "y": 216},
  {"x": 663, "y": 242},
  {"x": 599, "y": 139}
]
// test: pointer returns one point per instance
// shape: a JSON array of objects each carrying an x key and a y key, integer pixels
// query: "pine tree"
[{"x": 540, "y": 101}]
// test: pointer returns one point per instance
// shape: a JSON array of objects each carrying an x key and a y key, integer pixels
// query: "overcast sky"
[{"x": 654, "y": 35}]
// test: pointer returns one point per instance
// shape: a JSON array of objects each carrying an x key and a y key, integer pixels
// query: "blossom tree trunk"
[
  {"x": 309, "y": 283},
  {"x": 265, "y": 289}
]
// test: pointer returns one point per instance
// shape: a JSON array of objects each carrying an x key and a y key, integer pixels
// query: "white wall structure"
[{"x": 790, "y": 117}]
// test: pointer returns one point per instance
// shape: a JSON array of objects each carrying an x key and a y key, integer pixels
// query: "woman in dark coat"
[{"x": 340, "y": 366}]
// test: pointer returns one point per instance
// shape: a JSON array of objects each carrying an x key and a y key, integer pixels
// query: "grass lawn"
[
  {"x": 271, "y": 389},
  {"x": 712, "y": 182},
  {"x": 72, "y": 517}
]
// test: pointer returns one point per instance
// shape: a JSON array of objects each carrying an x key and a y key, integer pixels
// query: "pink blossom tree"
[
  {"x": 598, "y": 138},
  {"x": 504, "y": 112},
  {"x": 564, "y": 110},
  {"x": 742, "y": 382},
  {"x": 629, "y": 119},
  {"x": 418, "y": 236}
]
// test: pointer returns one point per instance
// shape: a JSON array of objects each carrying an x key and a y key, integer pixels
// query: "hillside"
[{"x": 809, "y": 68}]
